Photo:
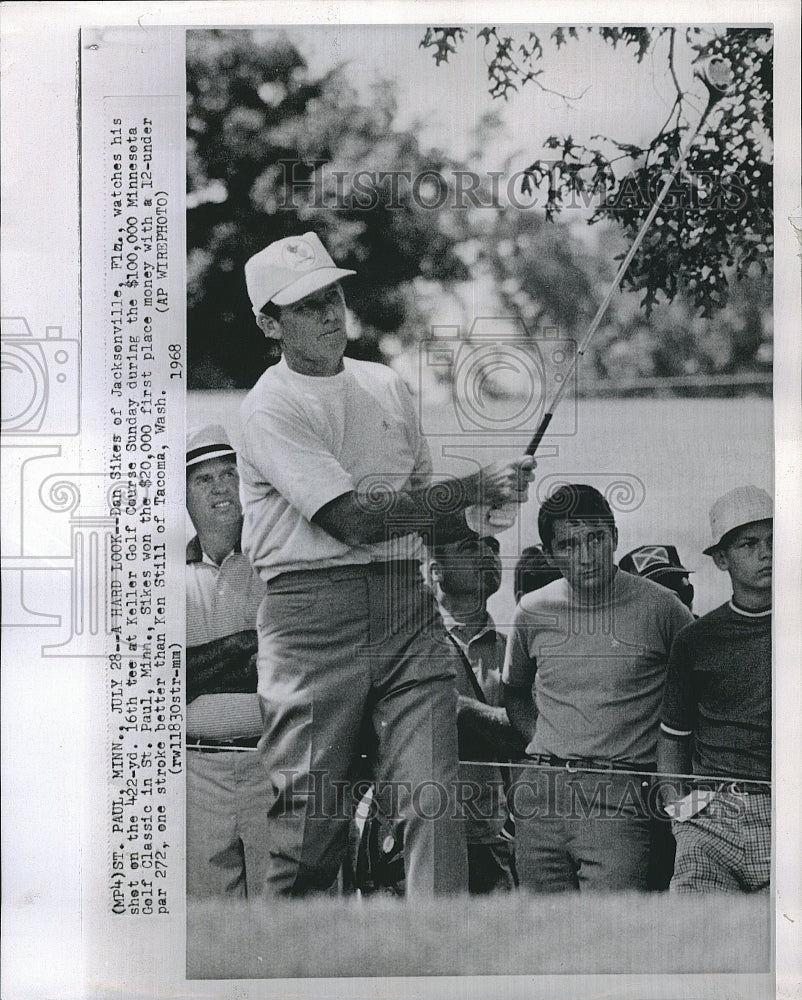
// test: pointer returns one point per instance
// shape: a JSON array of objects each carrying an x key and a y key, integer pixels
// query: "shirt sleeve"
[
  {"x": 289, "y": 455},
  {"x": 678, "y": 711},
  {"x": 678, "y": 617},
  {"x": 422, "y": 470},
  {"x": 519, "y": 666}
]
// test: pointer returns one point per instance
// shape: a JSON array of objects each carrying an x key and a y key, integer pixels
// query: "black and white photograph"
[
  {"x": 561, "y": 301},
  {"x": 391, "y": 463}
]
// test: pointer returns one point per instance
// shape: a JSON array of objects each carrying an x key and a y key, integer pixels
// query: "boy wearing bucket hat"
[
  {"x": 716, "y": 713},
  {"x": 227, "y": 786},
  {"x": 335, "y": 486}
]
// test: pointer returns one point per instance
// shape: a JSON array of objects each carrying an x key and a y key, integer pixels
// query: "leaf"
[
  {"x": 718, "y": 211},
  {"x": 442, "y": 41}
]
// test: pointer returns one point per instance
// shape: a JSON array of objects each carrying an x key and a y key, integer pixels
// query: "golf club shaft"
[{"x": 546, "y": 419}]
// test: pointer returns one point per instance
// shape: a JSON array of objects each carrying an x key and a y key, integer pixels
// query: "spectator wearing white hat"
[
  {"x": 716, "y": 713},
  {"x": 227, "y": 785},
  {"x": 336, "y": 493}
]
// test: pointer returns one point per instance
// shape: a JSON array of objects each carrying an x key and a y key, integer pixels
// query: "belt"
[
  {"x": 586, "y": 763},
  {"x": 351, "y": 571},
  {"x": 202, "y": 745}
]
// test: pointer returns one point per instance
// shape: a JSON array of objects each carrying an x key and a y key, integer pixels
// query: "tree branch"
[{"x": 680, "y": 91}]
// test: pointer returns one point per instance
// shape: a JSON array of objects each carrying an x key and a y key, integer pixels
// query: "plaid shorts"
[{"x": 726, "y": 847}]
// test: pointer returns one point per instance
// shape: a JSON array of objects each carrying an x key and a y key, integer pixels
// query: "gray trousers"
[
  {"x": 337, "y": 648},
  {"x": 228, "y": 795},
  {"x": 581, "y": 831}
]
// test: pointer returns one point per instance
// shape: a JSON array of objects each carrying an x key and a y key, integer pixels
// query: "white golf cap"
[
  {"x": 209, "y": 441},
  {"x": 743, "y": 505},
  {"x": 289, "y": 270}
]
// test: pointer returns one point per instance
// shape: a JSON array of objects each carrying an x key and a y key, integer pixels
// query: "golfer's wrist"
[{"x": 470, "y": 491}]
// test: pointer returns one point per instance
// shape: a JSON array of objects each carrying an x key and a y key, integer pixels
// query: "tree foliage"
[
  {"x": 273, "y": 151},
  {"x": 555, "y": 285},
  {"x": 716, "y": 222}
]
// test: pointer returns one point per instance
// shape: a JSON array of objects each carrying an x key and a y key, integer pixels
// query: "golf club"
[{"x": 716, "y": 74}]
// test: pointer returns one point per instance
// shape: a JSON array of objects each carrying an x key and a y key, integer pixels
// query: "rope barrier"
[
  {"x": 217, "y": 747},
  {"x": 578, "y": 768},
  {"x": 569, "y": 767}
]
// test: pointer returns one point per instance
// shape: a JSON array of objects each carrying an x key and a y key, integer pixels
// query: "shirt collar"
[
  {"x": 749, "y": 614},
  {"x": 195, "y": 553},
  {"x": 455, "y": 628}
]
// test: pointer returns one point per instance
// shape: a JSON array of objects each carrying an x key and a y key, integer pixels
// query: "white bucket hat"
[
  {"x": 743, "y": 505},
  {"x": 289, "y": 270},
  {"x": 209, "y": 441}
]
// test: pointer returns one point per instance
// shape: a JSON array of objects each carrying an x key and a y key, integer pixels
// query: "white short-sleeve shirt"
[{"x": 308, "y": 440}]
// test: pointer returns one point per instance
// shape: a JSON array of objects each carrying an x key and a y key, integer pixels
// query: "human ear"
[
  {"x": 720, "y": 559},
  {"x": 269, "y": 326}
]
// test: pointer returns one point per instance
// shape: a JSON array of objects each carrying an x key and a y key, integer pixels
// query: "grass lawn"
[{"x": 517, "y": 935}]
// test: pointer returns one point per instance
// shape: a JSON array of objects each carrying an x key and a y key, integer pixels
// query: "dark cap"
[{"x": 653, "y": 561}]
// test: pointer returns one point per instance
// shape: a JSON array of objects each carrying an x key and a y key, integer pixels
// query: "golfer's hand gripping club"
[{"x": 503, "y": 488}]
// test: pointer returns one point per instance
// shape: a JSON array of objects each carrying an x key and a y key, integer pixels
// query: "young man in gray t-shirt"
[{"x": 584, "y": 675}]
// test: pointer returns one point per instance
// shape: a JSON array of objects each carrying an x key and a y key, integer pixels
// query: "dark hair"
[
  {"x": 533, "y": 571},
  {"x": 272, "y": 310},
  {"x": 572, "y": 502},
  {"x": 437, "y": 551}
]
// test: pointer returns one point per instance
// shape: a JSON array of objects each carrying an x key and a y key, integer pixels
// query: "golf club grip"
[{"x": 542, "y": 428}]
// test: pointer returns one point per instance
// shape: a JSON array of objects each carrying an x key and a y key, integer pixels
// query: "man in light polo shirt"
[
  {"x": 336, "y": 492},
  {"x": 227, "y": 785},
  {"x": 716, "y": 714},
  {"x": 463, "y": 576},
  {"x": 595, "y": 645}
]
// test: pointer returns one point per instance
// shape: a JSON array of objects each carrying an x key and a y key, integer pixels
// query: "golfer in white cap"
[
  {"x": 335, "y": 487},
  {"x": 716, "y": 714},
  {"x": 228, "y": 789}
]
